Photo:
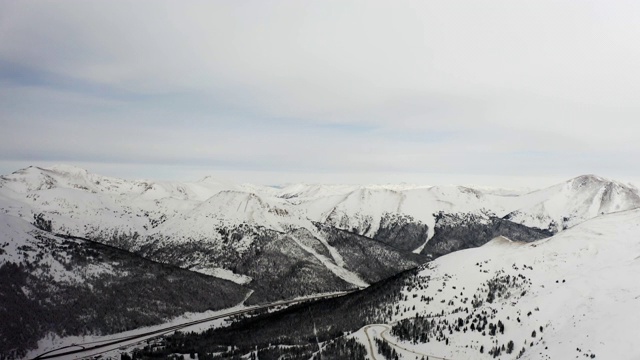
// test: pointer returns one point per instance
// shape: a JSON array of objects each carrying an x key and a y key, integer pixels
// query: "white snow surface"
[
  {"x": 581, "y": 289},
  {"x": 224, "y": 274},
  {"x": 575, "y": 201},
  {"x": 19, "y": 245}
]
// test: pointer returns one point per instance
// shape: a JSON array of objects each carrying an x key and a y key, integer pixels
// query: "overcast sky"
[{"x": 323, "y": 91}]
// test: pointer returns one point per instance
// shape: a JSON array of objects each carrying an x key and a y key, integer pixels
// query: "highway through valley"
[{"x": 94, "y": 348}]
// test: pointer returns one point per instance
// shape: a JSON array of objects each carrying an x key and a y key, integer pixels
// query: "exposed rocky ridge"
[
  {"x": 402, "y": 232},
  {"x": 376, "y": 260}
]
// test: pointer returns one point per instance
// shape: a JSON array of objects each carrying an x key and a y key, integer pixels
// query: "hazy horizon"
[{"x": 280, "y": 179}]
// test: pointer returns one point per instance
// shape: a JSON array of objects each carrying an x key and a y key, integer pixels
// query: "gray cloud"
[{"x": 497, "y": 88}]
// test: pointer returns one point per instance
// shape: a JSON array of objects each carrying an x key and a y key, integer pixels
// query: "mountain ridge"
[
  {"x": 298, "y": 240},
  {"x": 102, "y": 208}
]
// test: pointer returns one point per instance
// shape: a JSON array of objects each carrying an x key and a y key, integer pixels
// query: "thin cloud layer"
[{"x": 498, "y": 88}]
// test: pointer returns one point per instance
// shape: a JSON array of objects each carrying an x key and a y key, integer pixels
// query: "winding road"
[{"x": 382, "y": 330}]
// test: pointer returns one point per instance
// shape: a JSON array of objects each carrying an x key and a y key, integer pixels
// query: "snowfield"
[{"x": 572, "y": 295}]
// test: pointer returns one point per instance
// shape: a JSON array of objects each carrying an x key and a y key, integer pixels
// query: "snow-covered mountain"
[
  {"x": 235, "y": 232},
  {"x": 368, "y": 210},
  {"x": 60, "y": 286},
  {"x": 214, "y": 226},
  {"x": 569, "y": 295},
  {"x": 301, "y": 239},
  {"x": 210, "y": 225},
  {"x": 572, "y": 295},
  {"x": 570, "y": 203}
]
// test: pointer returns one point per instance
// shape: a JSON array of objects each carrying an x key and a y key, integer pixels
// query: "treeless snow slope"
[
  {"x": 574, "y": 201},
  {"x": 230, "y": 208},
  {"x": 82, "y": 203},
  {"x": 578, "y": 286}
]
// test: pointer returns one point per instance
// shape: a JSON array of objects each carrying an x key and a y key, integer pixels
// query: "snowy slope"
[
  {"x": 350, "y": 214},
  {"x": 208, "y": 226},
  {"x": 378, "y": 211},
  {"x": 91, "y": 205},
  {"x": 228, "y": 208},
  {"x": 54, "y": 285},
  {"x": 304, "y": 239},
  {"x": 556, "y": 208},
  {"x": 215, "y": 227},
  {"x": 575, "y": 290},
  {"x": 572, "y": 295},
  {"x": 565, "y": 205},
  {"x": 164, "y": 219},
  {"x": 85, "y": 204}
]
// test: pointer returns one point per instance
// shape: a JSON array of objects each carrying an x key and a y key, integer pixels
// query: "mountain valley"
[{"x": 73, "y": 238}]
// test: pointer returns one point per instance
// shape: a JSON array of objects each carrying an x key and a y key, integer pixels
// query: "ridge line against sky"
[
  {"x": 275, "y": 179},
  {"x": 323, "y": 92}
]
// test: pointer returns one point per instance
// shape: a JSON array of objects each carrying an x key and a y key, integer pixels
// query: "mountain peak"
[
  {"x": 592, "y": 180},
  {"x": 67, "y": 169},
  {"x": 589, "y": 177},
  {"x": 212, "y": 180}
]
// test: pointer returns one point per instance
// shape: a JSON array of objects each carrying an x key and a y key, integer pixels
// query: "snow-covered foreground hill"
[{"x": 573, "y": 295}]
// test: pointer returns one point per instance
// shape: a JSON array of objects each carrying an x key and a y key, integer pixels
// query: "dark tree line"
[
  {"x": 343, "y": 348},
  {"x": 386, "y": 350},
  {"x": 135, "y": 292},
  {"x": 329, "y": 318},
  {"x": 455, "y": 232},
  {"x": 41, "y": 223}
]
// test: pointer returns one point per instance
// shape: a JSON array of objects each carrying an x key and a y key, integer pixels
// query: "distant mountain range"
[{"x": 263, "y": 242}]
